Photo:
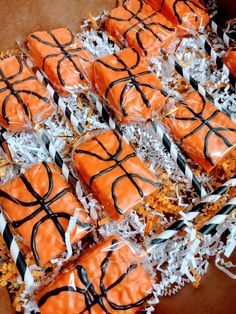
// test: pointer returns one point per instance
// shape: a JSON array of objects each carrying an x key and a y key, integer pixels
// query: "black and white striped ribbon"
[
  {"x": 184, "y": 73},
  {"x": 199, "y": 88},
  {"x": 16, "y": 254},
  {"x": 219, "y": 218},
  {"x": 222, "y": 35},
  {"x": 59, "y": 101},
  {"x": 67, "y": 173},
  {"x": 67, "y": 111},
  {"x": 173, "y": 150},
  {"x": 217, "y": 60},
  {"x": 103, "y": 112},
  {"x": 192, "y": 214}
]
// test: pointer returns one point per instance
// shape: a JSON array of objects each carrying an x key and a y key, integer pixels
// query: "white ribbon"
[
  {"x": 71, "y": 226},
  {"x": 224, "y": 266}
]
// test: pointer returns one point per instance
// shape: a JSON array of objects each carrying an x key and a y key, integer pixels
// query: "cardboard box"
[
  {"x": 5, "y": 305},
  {"x": 19, "y": 18}
]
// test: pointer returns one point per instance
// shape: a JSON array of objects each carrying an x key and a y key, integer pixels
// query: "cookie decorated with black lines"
[
  {"x": 61, "y": 56},
  {"x": 206, "y": 134},
  {"x": 130, "y": 89},
  {"x": 136, "y": 25},
  {"x": 108, "y": 278},
  {"x": 186, "y": 15},
  {"x": 40, "y": 205},
  {"x": 23, "y": 100},
  {"x": 113, "y": 171}
]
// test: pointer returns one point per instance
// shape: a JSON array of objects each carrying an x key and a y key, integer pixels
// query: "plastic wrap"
[
  {"x": 230, "y": 60},
  {"x": 108, "y": 278},
  {"x": 130, "y": 89},
  {"x": 136, "y": 25},
  {"x": 118, "y": 178},
  {"x": 62, "y": 57},
  {"x": 202, "y": 131},
  {"x": 187, "y": 16},
  {"x": 40, "y": 204},
  {"x": 23, "y": 100}
]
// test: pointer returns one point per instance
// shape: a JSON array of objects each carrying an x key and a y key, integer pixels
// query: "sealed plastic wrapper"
[
  {"x": 61, "y": 56},
  {"x": 230, "y": 61},
  {"x": 108, "y": 278},
  {"x": 23, "y": 100},
  {"x": 187, "y": 16},
  {"x": 131, "y": 91},
  {"x": 111, "y": 168},
  {"x": 206, "y": 134},
  {"x": 40, "y": 205},
  {"x": 136, "y": 25}
]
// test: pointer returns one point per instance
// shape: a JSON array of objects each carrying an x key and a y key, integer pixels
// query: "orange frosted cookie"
[
  {"x": 230, "y": 60},
  {"x": 108, "y": 278},
  {"x": 111, "y": 168},
  {"x": 205, "y": 134},
  {"x": 61, "y": 56},
  {"x": 186, "y": 15},
  {"x": 22, "y": 97},
  {"x": 40, "y": 204},
  {"x": 136, "y": 25},
  {"x": 130, "y": 89}
]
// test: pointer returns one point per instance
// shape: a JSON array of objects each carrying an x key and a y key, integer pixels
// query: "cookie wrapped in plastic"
[
  {"x": 129, "y": 88},
  {"x": 230, "y": 60},
  {"x": 62, "y": 57},
  {"x": 206, "y": 134},
  {"x": 40, "y": 204},
  {"x": 187, "y": 16},
  {"x": 136, "y": 25},
  {"x": 23, "y": 100},
  {"x": 108, "y": 278},
  {"x": 113, "y": 171}
]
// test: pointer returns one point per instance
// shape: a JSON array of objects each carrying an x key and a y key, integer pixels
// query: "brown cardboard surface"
[
  {"x": 215, "y": 295},
  {"x": 5, "y": 305},
  {"x": 18, "y": 18}
]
